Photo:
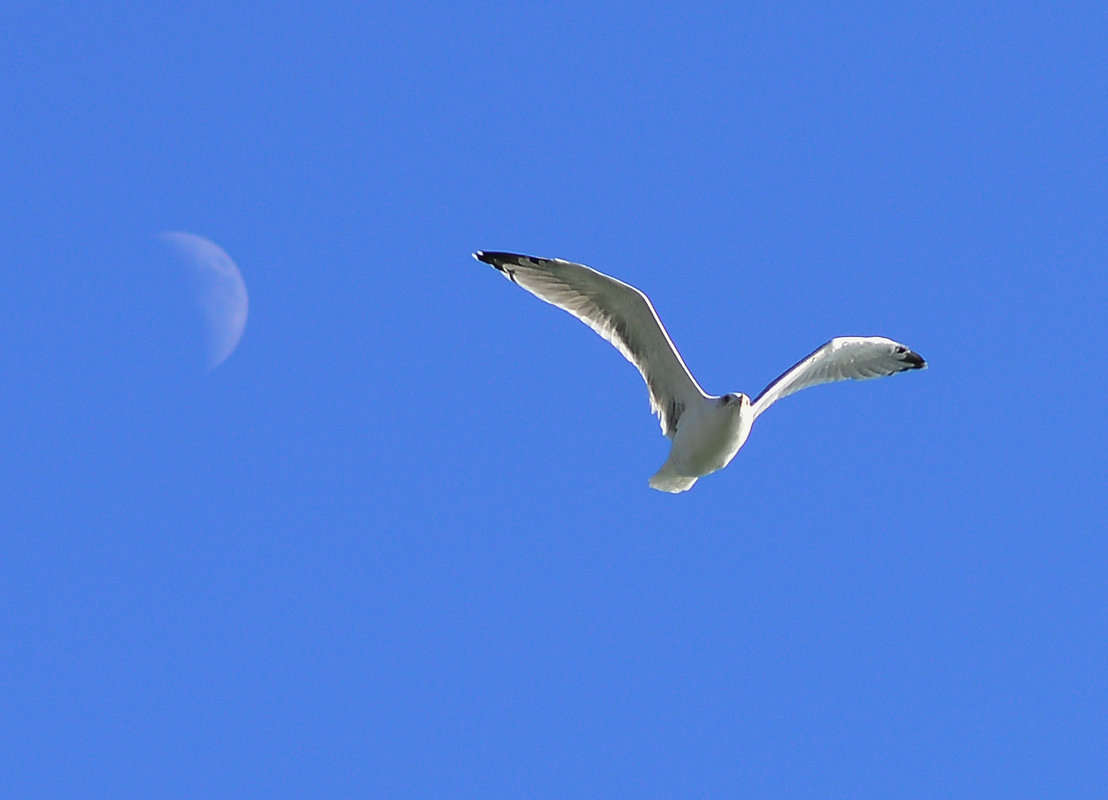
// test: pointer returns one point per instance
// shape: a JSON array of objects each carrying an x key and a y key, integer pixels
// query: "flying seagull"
[{"x": 707, "y": 431}]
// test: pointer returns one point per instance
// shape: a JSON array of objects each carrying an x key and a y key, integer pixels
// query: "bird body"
[
  {"x": 707, "y": 431},
  {"x": 708, "y": 436}
]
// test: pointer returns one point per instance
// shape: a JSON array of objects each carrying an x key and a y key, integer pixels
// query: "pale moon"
[{"x": 218, "y": 289}]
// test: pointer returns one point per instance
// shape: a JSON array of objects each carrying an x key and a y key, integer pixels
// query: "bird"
[{"x": 706, "y": 430}]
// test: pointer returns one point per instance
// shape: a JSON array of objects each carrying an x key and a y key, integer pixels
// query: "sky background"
[{"x": 401, "y": 544}]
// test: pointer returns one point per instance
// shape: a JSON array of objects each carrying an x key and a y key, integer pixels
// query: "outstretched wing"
[
  {"x": 846, "y": 357},
  {"x": 620, "y": 313}
]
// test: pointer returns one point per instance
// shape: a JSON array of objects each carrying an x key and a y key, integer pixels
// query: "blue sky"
[{"x": 401, "y": 543}]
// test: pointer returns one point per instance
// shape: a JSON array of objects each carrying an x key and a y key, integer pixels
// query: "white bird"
[{"x": 707, "y": 431}]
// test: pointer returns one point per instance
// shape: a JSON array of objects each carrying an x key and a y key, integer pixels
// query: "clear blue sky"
[{"x": 401, "y": 544}]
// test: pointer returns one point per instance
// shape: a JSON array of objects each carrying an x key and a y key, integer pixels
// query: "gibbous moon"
[{"x": 218, "y": 290}]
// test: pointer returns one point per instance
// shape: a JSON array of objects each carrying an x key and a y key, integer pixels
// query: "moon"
[{"x": 217, "y": 288}]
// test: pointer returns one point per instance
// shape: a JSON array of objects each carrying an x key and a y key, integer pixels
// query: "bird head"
[{"x": 737, "y": 399}]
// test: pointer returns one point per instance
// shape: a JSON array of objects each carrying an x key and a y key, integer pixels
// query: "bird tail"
[{"x": 668, "y": 480}]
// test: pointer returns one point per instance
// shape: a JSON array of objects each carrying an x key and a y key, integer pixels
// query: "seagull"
[{"x": 707, "y": 430}]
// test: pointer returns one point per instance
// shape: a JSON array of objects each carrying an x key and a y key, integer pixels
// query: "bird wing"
[
  {"x": 621, "y": 314},
  {"x": 846, "y": 357}
]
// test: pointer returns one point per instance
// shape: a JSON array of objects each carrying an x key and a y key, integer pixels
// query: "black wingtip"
[
  {"x": 500, "y": 261},
  {"x": 913, "y": 360},
  {"x": 497, "y": 259}
]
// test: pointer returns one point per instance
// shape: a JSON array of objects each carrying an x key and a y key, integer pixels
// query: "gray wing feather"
[
  {"x": 845, "y": 358},
  {"x": 618, "y": 312}
]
